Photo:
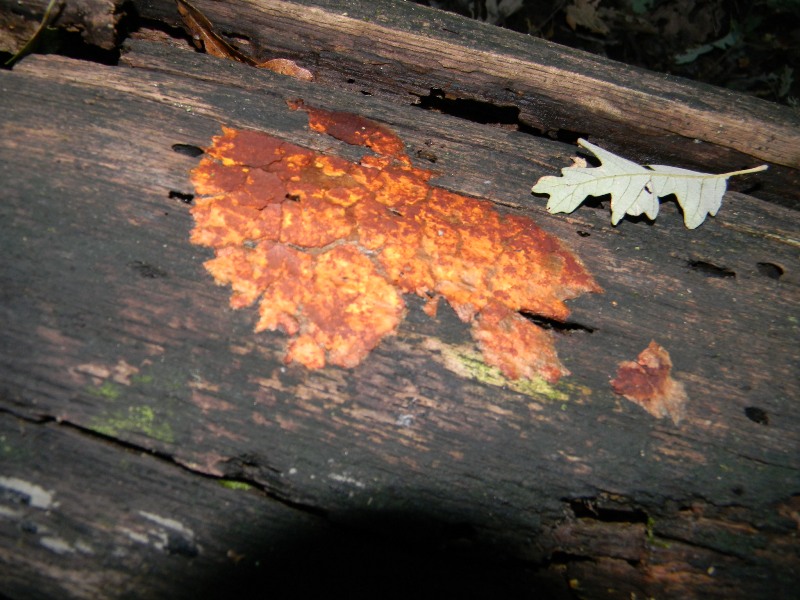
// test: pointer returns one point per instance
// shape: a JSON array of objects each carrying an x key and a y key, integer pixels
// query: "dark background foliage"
[{"x": 752, "y": 47}]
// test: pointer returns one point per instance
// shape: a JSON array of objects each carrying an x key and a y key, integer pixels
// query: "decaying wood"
[
  {"x": 390, "y": 48},
  {"x": 407, "y": 52},
  {"x": 95, "y": 20},
  {"x": 147, "y": 430}
]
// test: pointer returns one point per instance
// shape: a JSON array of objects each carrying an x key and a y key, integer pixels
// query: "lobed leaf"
[{"x": 635, "y": 189}]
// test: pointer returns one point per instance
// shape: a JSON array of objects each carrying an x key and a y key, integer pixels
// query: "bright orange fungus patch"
[
  {"x": 648, "y": 382},
  {"x": 329, "y": 247}
]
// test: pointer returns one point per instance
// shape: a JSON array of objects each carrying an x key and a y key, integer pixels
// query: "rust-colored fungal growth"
[
  {"x": 648, "y": 382},
  {"x": 353, "y": 129},
  {"x": 328, "y": 247}
]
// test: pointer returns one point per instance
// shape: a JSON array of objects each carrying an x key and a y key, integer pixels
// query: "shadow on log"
[{"x": 153, "y": 444}]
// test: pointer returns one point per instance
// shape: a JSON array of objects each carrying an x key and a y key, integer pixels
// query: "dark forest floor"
[{"x": 751, "y": 47}]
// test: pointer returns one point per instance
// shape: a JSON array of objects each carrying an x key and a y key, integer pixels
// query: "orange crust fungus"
[
  {"x": 648, "y": 382},
  {"x": 328, "y": 247}
]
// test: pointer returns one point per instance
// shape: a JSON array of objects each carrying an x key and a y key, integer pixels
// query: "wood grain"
[
  {"x": 116, "y": 343},
  {"x": 405, "y": 51}
]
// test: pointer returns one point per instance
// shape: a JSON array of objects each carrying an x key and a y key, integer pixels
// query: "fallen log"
[{"x": 184, "y": 453}]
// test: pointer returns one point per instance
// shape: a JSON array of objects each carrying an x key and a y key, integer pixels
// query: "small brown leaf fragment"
[
  {"x": 648, "y": 383},
  {"x": 585, "y": 14},
  {"x": 284, "y": 66},
  {"x": 204, "y": 36}
]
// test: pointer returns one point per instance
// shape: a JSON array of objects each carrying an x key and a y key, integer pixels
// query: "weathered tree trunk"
[{"x": 154, "y": 446}]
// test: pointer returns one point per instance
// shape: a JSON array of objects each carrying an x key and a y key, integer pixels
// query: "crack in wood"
[
  {"x": 710, "y": 269},
  {"x": 489, "y": 113},
  {"x": 564, "y": 327},
  {"x": 588, "y": 508},
  {"x": 170, "y": 459}
]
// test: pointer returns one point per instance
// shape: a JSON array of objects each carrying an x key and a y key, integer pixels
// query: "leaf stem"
[
  {"x": 745, "y": 171},
  {"x": 29, "y": 45}
]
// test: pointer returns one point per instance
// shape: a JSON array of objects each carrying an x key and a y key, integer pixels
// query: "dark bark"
[
  {"x": 130, "y": 391},
  {"x": 95, "y": 21},
  {"x": 409, "y": 52}
]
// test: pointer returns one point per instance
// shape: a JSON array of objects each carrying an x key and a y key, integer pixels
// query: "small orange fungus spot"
[
  {"x": 353, "y": 129},
  {"x": 328, "y": 247},
  {"x": 648, "y": 382}
]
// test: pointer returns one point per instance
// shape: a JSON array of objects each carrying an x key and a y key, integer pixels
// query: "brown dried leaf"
[
  {"x": 284, "y": 66},
  {"x": 584, "y": 13},
  {"x": 204, "y": 36},
  {"x": 648, "y": 383},
  {"x": 329, "y": 247}
]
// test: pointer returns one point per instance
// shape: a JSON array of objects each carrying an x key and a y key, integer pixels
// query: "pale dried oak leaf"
[{"x": 635, "y": 189}]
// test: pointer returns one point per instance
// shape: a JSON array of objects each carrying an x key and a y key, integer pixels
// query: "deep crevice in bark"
[
  {"x": 488, "y": 113},
  {"x": 235, "y": 477}
]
